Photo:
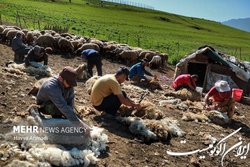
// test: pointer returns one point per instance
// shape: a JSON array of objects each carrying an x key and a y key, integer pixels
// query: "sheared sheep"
[
  {"x": 218, "y": 117},
  {"x": 43, "y": 72},
  {"x": 37, "y": 86},
  {"x": 81, "y": 71},
  {"x": 199, "y": 117},
  {"x": 148, "y": 111},
  {"x": 38, "y": 152},
  {"x": 185, "y": 94},
  {"x": 90, "y": 82},
  {"x": 151, "y": 130},
  {"x": 154, "y": 84}
]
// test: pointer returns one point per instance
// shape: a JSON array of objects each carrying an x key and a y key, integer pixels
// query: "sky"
[{"x": 217, "y": 10}]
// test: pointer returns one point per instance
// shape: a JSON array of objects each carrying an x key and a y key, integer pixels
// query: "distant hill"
[{"x": 242, "y": 24}]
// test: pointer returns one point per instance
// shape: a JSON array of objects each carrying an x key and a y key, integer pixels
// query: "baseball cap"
[
  {"x": 69, "y": 74},
  {"x": 123, "y": 70}
]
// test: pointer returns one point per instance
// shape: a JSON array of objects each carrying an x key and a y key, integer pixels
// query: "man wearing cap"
[
  {"x": 56, "y": 95},
  {"x": 106, "y": 94},
  {"x": 19, "y": 48},
  {"x": 36, "y": 55},
  {"x": 222, "y": 98},
  {"x": 93, "y": 59},
  {"x": 185, "y": 81},
  {"x": 137, "y": 71}
]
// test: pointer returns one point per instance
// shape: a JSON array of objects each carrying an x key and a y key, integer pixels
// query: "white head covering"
[{"x": 222, "y": 86}]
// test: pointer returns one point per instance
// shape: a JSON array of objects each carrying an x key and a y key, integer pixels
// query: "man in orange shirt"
[
  {"x": 185, "y": 81},
  {"x": 222, "y": 98}
]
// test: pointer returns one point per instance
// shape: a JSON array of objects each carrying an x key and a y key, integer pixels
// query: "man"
[
  {"x": 19, "y": 48},
  {"x": 222, "y": 98},
  {"x": 56, "y": 95},
  {"x": 137, "y": 71},
  {"x": 36, "y": 55},
  {"x": 93, "y": 59},
  {"x": 185, "y": 81},
  {"x": 106, "y": 94}
]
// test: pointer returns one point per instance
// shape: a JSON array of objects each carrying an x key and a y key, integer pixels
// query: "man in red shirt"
[
  {"x": 222, "y": 98},
  {"x": 185, "y": 81}
]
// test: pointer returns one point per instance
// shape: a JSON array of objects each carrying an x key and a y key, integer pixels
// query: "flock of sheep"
[{"x": 72, "y": 45}]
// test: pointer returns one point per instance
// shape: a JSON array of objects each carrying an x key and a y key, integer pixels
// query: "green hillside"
[{"x": 173, "y": 34}]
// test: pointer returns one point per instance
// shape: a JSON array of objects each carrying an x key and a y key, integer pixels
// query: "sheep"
[
  {"x": 29, "y": 37},
  {"x": 154, "y": 84},
  {"x": 152, "y": 130},
  {"x": 47, "y": 41},
  {"x": 90, "y": 82},
  {"x": 130, "y": 56},
  {"x": 218, "y": 117},
  {"x": 76, "y": 44},
  {"x": 25, "y": 31},
  {"x": 43, "y": 72},
  {"x": 164, "y": 59},
  {"x": 81, "y": 71},
  {"x": 11, "y": 34},
  {"x": 2, "y": 27},
  {"x": 37, "y": 86},
  {"x": 32, "y": 36},
  {"x": 185, "y": 94},
  {"x": 87, "y": 46},
  {"x": 147, "y": 54},
  {"x": 148, "y": 111},
  {"x": 38, "y": 152},
  {"x": 4, "y": 33},
  {"x": 155, "y": 61},
  {"x": 199, "y": 117},
  {"x": 65, "y": 45},
  {"x": 66, "y": 35},
  {"x": 98, "y": 42}
]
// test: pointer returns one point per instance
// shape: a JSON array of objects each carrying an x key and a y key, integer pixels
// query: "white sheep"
[
  {"x": 44, "y": 71},
  {"x": 151, "y": 130}
]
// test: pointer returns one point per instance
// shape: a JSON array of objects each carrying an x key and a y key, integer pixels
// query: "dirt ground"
[{"x": 124, "y": 149}]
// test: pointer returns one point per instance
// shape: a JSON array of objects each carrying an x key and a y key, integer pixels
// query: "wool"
[
  {"x": 199, "y": 117},
  {"x": 152, "y": 130}
]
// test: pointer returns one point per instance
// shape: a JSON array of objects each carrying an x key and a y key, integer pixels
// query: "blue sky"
[{"x": 217, "y": 10}]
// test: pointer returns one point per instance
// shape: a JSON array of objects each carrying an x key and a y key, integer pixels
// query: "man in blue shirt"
[
  {"x": 137, "y": 71},
  {"x": 93, "y": 59},
  {"x": 56, "y": 95}
]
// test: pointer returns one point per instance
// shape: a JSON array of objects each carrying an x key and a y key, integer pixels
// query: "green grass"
[{"x": 168, "y": 33}]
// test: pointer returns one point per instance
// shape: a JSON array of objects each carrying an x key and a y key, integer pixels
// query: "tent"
[{"x": 212, "y": 66}]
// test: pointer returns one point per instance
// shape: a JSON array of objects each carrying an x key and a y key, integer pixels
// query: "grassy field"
[{"x": 165, "y": 32}]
